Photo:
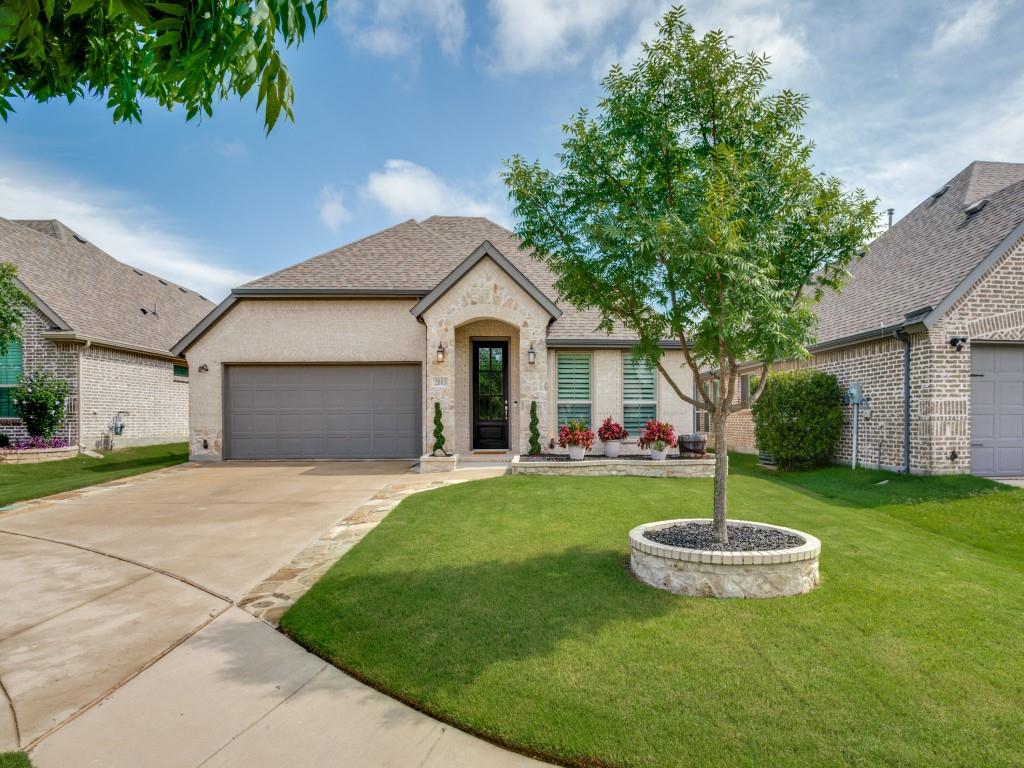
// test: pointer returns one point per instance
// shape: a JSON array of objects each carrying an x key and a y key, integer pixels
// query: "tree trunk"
[{"x": 721, "y": 476}]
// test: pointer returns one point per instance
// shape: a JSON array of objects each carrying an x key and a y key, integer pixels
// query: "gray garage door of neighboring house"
[
  {"x": 322, "y": 411},
  {"x": 997, "y": 409}
]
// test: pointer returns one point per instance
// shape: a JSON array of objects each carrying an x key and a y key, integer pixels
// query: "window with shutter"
[
  {"x": 11, "y": 366},
  {"x": 574, "y": 388},
  {"x": 639, "y": 394}
]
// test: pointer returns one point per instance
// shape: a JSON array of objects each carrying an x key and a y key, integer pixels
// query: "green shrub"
[
  {"x": 39, "y": 398},
  {"x": 798, "y": 418},
  {"x": 534, "y": 430}
]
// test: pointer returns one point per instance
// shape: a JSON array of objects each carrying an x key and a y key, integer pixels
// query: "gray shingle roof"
[
  {"x": 927, "y": 253},
  {"x": 97, "y": 296},
  {"x": 416, "y": 256}
]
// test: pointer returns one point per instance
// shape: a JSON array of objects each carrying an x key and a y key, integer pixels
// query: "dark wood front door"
[{"x": 490, "y": 394}]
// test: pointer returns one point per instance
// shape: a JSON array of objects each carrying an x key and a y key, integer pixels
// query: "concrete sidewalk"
[{"x": 239, "y": 693}]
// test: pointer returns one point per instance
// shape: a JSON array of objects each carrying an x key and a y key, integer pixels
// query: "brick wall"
[
  {"x": 156, "y": 405},
  {"x": 991, "y": 311},
  {"x": 61, "y": 360},
  {"x": 940, "y": 388}
]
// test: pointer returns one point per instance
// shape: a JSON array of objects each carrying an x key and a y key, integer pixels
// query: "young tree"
[
  {"x": 687, "y": 209},
  {"x": 13, "y": 302},
  {"x": 177, "y": 52}
]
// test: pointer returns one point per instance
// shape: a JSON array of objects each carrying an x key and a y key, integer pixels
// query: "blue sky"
[{"x": 406, "y": 108}]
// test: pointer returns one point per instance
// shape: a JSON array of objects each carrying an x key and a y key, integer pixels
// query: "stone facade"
[
  {"x": 940, "y": 379},
  {"x": 705, "y": 573},
  {"x": 601, "y": 467},
  {"x": 487, "y": 293}
]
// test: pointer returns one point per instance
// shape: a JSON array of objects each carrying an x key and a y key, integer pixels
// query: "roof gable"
[
  {"x": 485, "y": 250},
  {"x": 85, "y": 291},
  {"x": 927, "y": 255}
]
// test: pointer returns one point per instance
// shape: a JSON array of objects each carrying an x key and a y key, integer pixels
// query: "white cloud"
[
  {"x": 114, "y": 222},
  {"x": 394, "y": 27},
  {"x": 754, "y": 25},
  {"x": 545, "y": 34},
  {"x": 969, "y": 27},
  {"x": 333, "y": 212},
  {"x": 903, "y": 157},
  {"x": 408, "y": 190},
  {"x": 230, "y": 149}
]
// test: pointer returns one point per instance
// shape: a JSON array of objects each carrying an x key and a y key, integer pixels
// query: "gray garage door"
[
  {"x": 323, "y": 411},
  {"x": 997, "y": 409}
]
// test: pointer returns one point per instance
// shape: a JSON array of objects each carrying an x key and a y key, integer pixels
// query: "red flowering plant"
[
  {"x": 609, "y": 430},
  {"x": 576, "y": 433},
  {"x": 658, "y": 435}
]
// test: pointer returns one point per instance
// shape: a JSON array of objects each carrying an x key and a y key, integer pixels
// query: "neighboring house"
[
  {"x": 105, "y": 328},
  {"x": 344, "y": 355},
  {"x": 931, "y": 324}
]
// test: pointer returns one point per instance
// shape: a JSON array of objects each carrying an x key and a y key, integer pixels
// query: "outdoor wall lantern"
[
  {"x": 204, "y": 368},
  {"x": 440, "y": 352},
  {"x": 531, "y": 354},
  {"x": 957, "y": 343}
]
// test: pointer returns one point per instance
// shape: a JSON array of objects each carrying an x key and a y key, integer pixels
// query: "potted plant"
[
  {"x": 659, "y": 437},
  {"x": 577, "y": 437},
  {"x": 612, "y": 435}
]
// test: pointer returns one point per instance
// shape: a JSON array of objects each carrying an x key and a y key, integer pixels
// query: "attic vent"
[
  {"x": 976, "y": 206},
  {"x": 162, "y": 282},
  {"x": 137, "y": 272},
  {"x": 940, "y": 192},
  {"x": 182, "y": 289},
  {"x": 79, "y": 238}
]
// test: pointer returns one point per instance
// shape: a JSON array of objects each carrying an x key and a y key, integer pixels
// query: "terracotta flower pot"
[{"x": 611, "y": 448}]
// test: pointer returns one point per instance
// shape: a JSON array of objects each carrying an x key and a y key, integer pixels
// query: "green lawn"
[
  {"x": 504, "y": 606},
  {"x": 30, "y": 481}
]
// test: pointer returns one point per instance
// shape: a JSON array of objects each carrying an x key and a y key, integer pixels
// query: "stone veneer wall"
[
  {"x": 156, "y": 404},
  {"x": 461, "y": 431},
  {"x": 61, "y": 360},
  {"x": 486, "y": 293}
]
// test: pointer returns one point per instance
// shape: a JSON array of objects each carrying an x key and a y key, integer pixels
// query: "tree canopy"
[
  {"x": 13, "y": 302},
  {"x": 185, "y": 53},
  {"x": 687, "y": 208}
]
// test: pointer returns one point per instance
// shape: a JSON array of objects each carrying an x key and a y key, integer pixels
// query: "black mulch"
[
  {"x": 591, "y": 456},
  {"x": 742, "y": 538}
]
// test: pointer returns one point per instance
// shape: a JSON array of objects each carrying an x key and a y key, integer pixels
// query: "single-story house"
[
  {"x": 346, "y": 354},
  {"x": 104, "y": 327},
  {"x": 931, "y": 325}
]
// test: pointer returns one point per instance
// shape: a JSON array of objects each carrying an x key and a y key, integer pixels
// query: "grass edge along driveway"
[
  {"x": 21, "y": 482},
  {"x": 503, "y": 606}
]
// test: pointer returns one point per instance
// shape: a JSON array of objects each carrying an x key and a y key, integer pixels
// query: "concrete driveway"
[{"x": 120, "y": 644}]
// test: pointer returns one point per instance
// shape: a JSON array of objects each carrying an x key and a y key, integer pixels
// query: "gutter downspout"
[{"x": 905, "y": 338}]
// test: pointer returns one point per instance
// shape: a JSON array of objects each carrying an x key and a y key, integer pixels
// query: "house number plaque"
[{"x": 440, "y": 381}]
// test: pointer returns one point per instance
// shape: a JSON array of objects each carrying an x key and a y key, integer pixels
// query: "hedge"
[{"x": 799, "y": 418}]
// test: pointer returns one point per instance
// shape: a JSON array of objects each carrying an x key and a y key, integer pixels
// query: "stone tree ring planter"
[{"x": 790, "y": 568}]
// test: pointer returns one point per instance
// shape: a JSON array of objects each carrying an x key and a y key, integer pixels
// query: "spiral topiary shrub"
[
  {"x": 534, "y": 430},
  {"x": 439, "y": 441},
  {"x": 799, "y": 418}
]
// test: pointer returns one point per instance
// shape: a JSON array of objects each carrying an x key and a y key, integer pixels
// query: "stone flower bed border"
[
  {"x": 36, "y": 455},
  {"x": 600, "y": 465},
  {"x": 709, "y": 573}
]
